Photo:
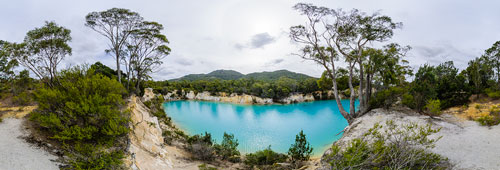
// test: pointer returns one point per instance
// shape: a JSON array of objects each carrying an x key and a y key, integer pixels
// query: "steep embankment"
[
  {"x": 244, "y": 98},
  {"x": 465, "y": 143},
  {"x": 15, "y": 152},
  {"x": 146, "y": 147}
]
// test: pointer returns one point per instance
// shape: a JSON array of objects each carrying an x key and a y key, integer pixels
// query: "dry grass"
[
  {"x": 15, "y": 111},
  {"x": 474, "y": 110}
]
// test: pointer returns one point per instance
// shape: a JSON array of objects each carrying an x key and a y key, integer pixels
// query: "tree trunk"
[
  {"x": 117, "y": 52},
  {"x": 352, "y": 109}
]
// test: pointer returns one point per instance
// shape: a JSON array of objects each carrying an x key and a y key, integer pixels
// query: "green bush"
[
  {"x": 87, "y": 157},
  {"x": 301, "y": 150},
  {"x": 433, "y": 107},
  {"x": 205, "y": 167},
  {"x": 201, "y": 146},
  {"x": 408, "y": 100},
  {"x": 82, "y": 110},
  {"x": 24, "y": 98},
  {"x": 488, "y": 120},
  {"x": 227, "y": 150},
  {"x": 394, "y": 147},
  {"x": 264, "y": 157},
  {"x": 386, "y": 98},
  {"x": 494, "y": 94}
]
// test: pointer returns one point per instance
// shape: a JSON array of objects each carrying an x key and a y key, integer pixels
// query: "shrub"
[
  {"x": 264, "y": 157},
  {"x": 433, "y": 107},
  {"x": 24, "y": 98},
  {"x": 394, "y": 147},
  {"x": 201, "y": 146},
  {"x": 386, "y": 98},
  {"x": 205, "y": 167},
  {"x": 301, "y": 150},
  {"x": 494, "y": 94},
  {"x": 82, "y": 111},
  {"x": 488, "y": 120},
  {"x": 89, "y": 158},
  {"x": 227, "y": 150}
]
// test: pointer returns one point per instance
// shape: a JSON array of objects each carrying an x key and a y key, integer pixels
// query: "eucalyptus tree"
[
  {"x": 146, "y": 48},
  {"x": 116, "y": 25},
  {"x": 493, "y": 56},
  {"x": 6, "y": 63},
  {"x": 42, "y": 50},
  {"x": 330, "y": 35}
]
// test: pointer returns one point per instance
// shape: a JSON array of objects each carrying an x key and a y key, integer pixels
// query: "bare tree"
[
  {"x": 146, "y": 49},
  {"x": 331, "y": 34},
  {"x": 116, "y": 25}
]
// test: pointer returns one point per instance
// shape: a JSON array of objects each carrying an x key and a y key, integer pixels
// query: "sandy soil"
[{"x": 16, "y": 153}]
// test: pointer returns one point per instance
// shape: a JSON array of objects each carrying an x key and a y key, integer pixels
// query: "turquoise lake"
[{"x": 258, "y": 126}]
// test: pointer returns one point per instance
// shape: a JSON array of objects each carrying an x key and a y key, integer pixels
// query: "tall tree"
[
  {"x": 6, "y": 63},
  {"x": 330, "y": 34},
  {"x": 116, "y": 24},
  {"x": 42, "y": 50},
  {"x": 146, "y": 48},
  {"x": 493, "y": 56}
]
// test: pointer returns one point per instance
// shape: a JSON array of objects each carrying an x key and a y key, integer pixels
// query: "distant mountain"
[
  {"x": 217, "y": 74},
  {"x": 234, "y": 75},
  {"x": 268, "y": 76}
]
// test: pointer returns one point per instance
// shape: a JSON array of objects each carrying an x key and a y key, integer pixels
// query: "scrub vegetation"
[{"x": 82, "y": 109}]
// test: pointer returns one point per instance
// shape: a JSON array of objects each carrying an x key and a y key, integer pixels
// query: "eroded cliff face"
[
  {"x": 244, "y": 98},
  {"x": 146, "y": 140}
]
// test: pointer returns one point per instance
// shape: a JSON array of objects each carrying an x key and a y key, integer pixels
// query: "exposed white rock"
[
  {"x": 465, "y": 143},
  {"x": 148, "y": 94}
]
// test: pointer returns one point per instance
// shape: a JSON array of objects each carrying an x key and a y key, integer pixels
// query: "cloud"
[
  {"x": 257, "y": 41},
  {"x": 262, "y": 39}
]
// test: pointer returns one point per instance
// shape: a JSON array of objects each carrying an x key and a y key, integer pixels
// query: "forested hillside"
[{"x": 234, "y": 75}]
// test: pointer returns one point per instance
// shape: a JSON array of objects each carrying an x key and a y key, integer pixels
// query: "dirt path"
[{"x": 16, "y": 153}]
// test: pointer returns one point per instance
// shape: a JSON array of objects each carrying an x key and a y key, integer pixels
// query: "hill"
[{"x": 234, "y": 75}]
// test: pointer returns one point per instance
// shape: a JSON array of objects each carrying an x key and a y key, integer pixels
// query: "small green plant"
[
  {"x": 227, "y": 150},
  {"x": 488, "y": 120},
  {"x": 390, "y": 147},
  {"x": 478, "y": 106},
  {"x": 433, "y": 107},
  {"x": 494, "y": 94},
  {"x": 201, "y": 146},
  {"x": 264, "y": 158},
  {"x": 205, "y": 167},
  {"x": 301, "y": 150}
]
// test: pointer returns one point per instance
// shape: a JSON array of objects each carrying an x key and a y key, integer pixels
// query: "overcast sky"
[{"x": 252, "y": 35}]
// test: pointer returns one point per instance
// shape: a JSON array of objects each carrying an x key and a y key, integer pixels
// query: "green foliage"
[
  {"x": 7, "y": 64},
  {"x": 83, "y": 113},
  {"x": 227, "y": 150},
  {"x": 85, "y": 106},
  {"x": 301, "y": 150},
  {"x": 201, "y": 146},
  {"x": 494, "y": 94},
  {"x": 206, "y": 167},
  {"x": 43, "y": 49},
  {"x": 488, "y": 120},
  {"x": 433, "y": 107},
  {"x": 441, "y": 82},
  {"x": 22, "y": 99},
  {"x": 234, "y": 75},
  {"x": 386, "y": 98},
  {"x": 264, "y": 157},
  {"x": 277, "y": 89},
  {"x": 90, "y": 157},
  {"x": 392, "y": 147},
  {"x": 100, "y": 68}
]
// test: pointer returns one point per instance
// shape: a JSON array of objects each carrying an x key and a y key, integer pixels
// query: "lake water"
[{"x": 258, "y": 126}]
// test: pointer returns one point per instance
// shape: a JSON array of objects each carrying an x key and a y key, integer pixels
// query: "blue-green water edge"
[{"x": 258, "y": 126}]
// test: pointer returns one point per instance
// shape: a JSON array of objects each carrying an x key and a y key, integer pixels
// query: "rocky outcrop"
[
  {"x": 464, "y": 142},
  {"x": 148, "y": 94},
  {"x": 297, "y": 98},
  {"x": 220, "y": 97},
  {"x": 146, "y": 141}
]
